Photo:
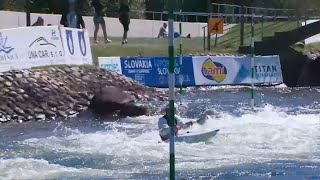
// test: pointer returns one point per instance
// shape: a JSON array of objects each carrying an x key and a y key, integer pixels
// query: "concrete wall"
[{"x": 138, "y": 27}]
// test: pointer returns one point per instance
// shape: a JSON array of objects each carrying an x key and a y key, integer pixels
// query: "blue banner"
[{"x": 153, "y": 71}]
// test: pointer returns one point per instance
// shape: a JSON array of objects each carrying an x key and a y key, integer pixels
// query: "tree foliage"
[{"x": 59, "y": 6}]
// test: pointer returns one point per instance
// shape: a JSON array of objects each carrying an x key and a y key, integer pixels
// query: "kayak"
[{"x": 195, "y": 137}]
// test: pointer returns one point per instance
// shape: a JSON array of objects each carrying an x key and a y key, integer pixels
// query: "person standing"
[
  {"x": 124, "y": 19},
  {"x": 98, "y": 19},
  {"x": 72, "y": 19}
]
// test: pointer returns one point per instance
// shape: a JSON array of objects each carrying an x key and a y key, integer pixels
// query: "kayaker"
[{"x": 164, "y": 128}]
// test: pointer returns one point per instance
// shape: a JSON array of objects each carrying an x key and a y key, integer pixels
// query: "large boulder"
[{"x": 112, "y": 100}]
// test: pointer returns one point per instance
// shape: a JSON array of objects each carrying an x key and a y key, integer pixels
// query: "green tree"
[{"x": 154, "y": 5}]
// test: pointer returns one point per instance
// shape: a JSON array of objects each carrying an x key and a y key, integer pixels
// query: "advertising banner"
[
  {"x": 30, "y": 47},
  {"x": 153, "y": 71},
  {"x": 110, "y": 63},
  {"x": 236, "y": 70},
  {"x": 77, "y": 47}
]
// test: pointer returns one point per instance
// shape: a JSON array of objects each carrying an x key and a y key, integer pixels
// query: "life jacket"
[{"x": 167, "y": 118}]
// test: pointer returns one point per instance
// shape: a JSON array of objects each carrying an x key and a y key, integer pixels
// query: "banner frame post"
[
  {"x": 180, "y": 60},
  {"x": 252, "y": 62},
  {"x": 171, "y": 89}
]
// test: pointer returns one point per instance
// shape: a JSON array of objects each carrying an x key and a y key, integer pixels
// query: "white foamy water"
[{"x": 126, "y": 148}]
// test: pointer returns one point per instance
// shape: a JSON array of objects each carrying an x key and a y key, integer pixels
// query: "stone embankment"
[{"x": 60, "y": 91}]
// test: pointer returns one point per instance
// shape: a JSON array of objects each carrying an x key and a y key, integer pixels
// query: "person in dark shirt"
[
  {"x": 98, "y": 19},
  {"x": 124, "y": 19},
  {"x": 72, "y": 19}
]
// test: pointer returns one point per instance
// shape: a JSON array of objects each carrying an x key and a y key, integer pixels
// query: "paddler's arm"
[{"x": 182, "y": 125}]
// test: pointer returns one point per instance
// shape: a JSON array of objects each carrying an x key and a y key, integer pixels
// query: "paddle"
[{"x": 200, "y": 121}]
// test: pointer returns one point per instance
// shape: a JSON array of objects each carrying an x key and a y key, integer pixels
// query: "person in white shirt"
[
  {"x": 163, "y": 32},
  {"x": 164, "y": 128}
]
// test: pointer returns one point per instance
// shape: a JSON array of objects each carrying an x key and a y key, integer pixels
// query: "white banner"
[
  {"x": 236, "y": 70},
  {"x": 110, "y": 63},
  {"x": 30, "y": 47},
  {"x": 312, "y": 39},
  {"x": 77, "y": 47}
]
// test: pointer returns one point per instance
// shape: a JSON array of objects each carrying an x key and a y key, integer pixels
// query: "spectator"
[
  {"x": 163, "y": 32},
  {"x": 39, "y": 22},
  {"x": 98, "y": 19},
  {"x": 63, "y": 20},
  {"x": 72, "y": 19},
  {"x": 124, "y": 19}
]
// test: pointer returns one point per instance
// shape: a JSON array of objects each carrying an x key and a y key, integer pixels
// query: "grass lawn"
[
  {"x": 150, "y": 47},
  {"x": 228, "y": 43}
]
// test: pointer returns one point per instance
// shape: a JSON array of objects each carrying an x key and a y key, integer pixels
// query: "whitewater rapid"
[{"x": 124, "y": 149}]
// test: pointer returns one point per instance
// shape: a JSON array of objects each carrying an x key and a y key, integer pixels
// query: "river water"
[{"x": 279, "y": 139}]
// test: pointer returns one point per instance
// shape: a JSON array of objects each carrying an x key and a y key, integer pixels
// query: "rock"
[
  {"x": 19, "y": 111},
  {"x": 20, "y": 91},
  {"x": 2, "y": 79},
  {"x": 28, "y": 118},
  {"x": 132, "y": 110},
  {"x": 29, "y": 111},
  {"x": 19, "y": 98},
  {"x": 23, "y": 81},
  {"x": 69, "y": 98},
  {"x": 38, "y": 110},
  {"x": 7, "y": 83},
  {"x": 12, "y": 94},
  {"x": 49, "y": 113},
  {"x": 83, "y": 103},
  {"x": 25, "y": 96},
  {"x": 80, "y": 108},
  {"x": 299, "y": 45},
  {"x": 75, "y": 68},
  {"x": 18, "y": 76},
  {"x": 11, "y": 105},
  {"x": 40, "y": 117},
  {"x": 11, "y": 88},
  {"x": 67, "y": 69},
  {"x": 46, "y": 89},
  {"x": 77, "y": 74},
  {"x": 3, "y": 120},
  {"x": 52, "y": 103},
  {"x": 52, "y": 69},
  {"x": 62, "y": 108},
  {"x": 11, "y": 99},
  {"x": 32, "y": 80},
  {"x": 62, "y": 113},
  {"x": 5, "y": 90},
  {"x": 9, "y": 78},
  {"x": 109, "y": 100},
  {"x": 10, "y": 112},
  {"x": 86, "y": 78},
  {"x": 72, "y": 113},
  {"x": 15, "y": 117}
]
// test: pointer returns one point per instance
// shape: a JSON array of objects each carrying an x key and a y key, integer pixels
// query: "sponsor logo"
[
  {"x": 214, "y": 71},
  {"x": 3, "y": 47},
  {"x": 82, "y": 43},
  {"x": 81, "y": 39},
  {"x": 138, "y": 65},
  {"x": 112, "y": 67},
  {"x": 54, "y": 35},
  {"x": 41, "y": 41},
  {"x": 5, "y": 50},
  {"x": 42, "y": 48},
  {"x": 70, "y": 41},
  {"x": 263, "y": 71}
]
